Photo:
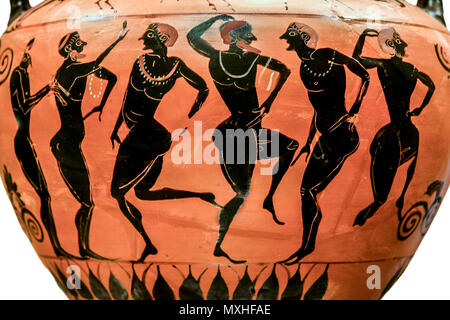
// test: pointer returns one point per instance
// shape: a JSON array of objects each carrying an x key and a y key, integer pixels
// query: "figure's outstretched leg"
[
  {"x": 239, "y": 176},
  {"x": 143, "y": 193},
  {"x": 143, "y": 187},
  {"x": 287, "y": 149},
  {"x": 33, "y": 172},
  {"x": 74, "y": 171},
  {"x": 384, "y": 165}
]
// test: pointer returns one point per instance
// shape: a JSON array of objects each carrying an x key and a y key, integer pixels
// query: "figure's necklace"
[
  {"x": 240, "y": 76},
  {"x": 154, "y": 79},
  {"x": 319, "y": 74},
  {"x": 95, "y": 96}
]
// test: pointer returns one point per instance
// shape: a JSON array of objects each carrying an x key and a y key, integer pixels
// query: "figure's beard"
[
  {"x": 291, "y": 46},
  {"x": 247, "y": 47},
  {"x": 401, "y": 54},
  {"x": 75, "y": 55}
]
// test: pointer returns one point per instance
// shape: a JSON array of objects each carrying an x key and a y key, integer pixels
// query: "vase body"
[{"x": 79, "y": 199}]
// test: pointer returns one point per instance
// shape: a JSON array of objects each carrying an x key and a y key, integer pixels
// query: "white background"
[{"x": 22, "y": 275}]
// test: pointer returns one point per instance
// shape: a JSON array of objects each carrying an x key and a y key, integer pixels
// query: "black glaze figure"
[
  {"x": 71, "y": 81},
  {"x": 140, "y": 157},
  {"x": 397, "y": 143},
  {"x": 23, "y": 103},
  {"x": 323, "y": 74},
  {"x": 234, "y": 72}
]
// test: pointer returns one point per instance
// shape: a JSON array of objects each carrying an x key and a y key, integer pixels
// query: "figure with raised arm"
[
  {"x": 71, "y": 82},
  {"x": 323, "y": 72},
  {"x": 234, "y": 72},
  {"x": 140, "y": 156},
  {"x": 397, "y": 143}
]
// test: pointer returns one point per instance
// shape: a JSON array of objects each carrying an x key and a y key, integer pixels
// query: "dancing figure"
[
  {"x": 323, "y": 74},
  {"x": 397, "y": 143},
  {"x": 140, "y": 156},
  {"x": 234, "y": 72}
]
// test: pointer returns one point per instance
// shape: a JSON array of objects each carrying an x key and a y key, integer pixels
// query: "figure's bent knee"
[
  {"x": 113, "y": 79},
  {"x": 116, "y": 192},
  {"x": 140, "y": 193}
]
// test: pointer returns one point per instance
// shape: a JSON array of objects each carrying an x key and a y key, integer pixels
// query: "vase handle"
[
  {"x": 17, "y": 8},
  {"x": 434, "y": 8}
]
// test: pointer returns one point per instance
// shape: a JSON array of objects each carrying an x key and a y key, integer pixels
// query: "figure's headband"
[
  {"x": 228, "y": 27},
  {"x": 68, "y": 40},
  {"x": 304, "y": 28},
  {"x": 165, "y": 32},
  {"x": 386, "y": 40}
]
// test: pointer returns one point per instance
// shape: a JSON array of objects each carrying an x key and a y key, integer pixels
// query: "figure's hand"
[
  {"x": 115, "y": 138},
  {"x": 355, "y": 109},
  {"x": 123, "y": 33},
  {"x": 370, "y": 33},
  {"x": 257, "y": 110},
  {"x": 415, "y": 113},
  {"x": 57, "y": 91},
  {"x": 263, "y": 109},
  {"x": 54, "y": 87},
  {"x": 98, "y": 109},
  {"x": 225, "y": 17},
  {"x": 201, "y": 97},
  {"x": 306, "y": 150},
  {"x": 266, "y": 106}
]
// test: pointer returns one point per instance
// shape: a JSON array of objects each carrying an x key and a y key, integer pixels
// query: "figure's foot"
[
  {"x": 218, "y": 252},
  {"x": 298, "y": 256},
  {"x": 148, "y": 251},
  {"x": 364, "y": 215},
  {"x": 210, "y": 198},
  {"x": 89, "y": 254},
  {"x": 268, "y": 205}
]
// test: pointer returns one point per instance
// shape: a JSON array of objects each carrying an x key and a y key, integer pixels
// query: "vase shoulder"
[{"x": 347, "y": 11}]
